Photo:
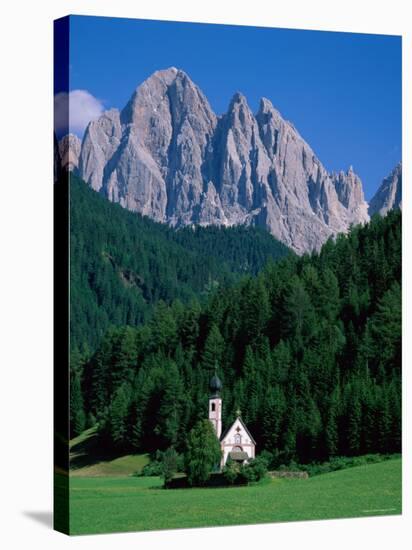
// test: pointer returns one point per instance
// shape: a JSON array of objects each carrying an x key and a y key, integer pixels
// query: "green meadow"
[
  {"x": 125, "y": 503},
  {"x": 87, "y": 462}
]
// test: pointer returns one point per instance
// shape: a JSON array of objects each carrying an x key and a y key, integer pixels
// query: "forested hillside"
[
  {"x": 309, "y": 350},
  {"x": 123, "y": 263}
]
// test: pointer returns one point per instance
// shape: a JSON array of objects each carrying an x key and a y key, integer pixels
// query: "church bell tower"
[{"x": 215, "y": 404}]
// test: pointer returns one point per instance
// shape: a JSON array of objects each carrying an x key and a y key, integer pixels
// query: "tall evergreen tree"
[
  {"x": 213, "y": 350},
  {"x": 77, "y": 414},
  {"x": 118, "y": 416},
  {"x": 202, "y": 454},
  {"x": 331, "y": 428}
]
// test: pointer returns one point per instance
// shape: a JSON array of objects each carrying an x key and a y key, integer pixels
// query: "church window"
[
  {"x": 238, "y": 439},
  {"x": 213, "y": 406}
]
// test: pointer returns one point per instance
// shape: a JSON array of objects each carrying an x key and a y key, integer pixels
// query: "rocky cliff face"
[
  {"x": 389, "y": 194},
  {"x": 69, "y": 150},
  {"x": 168, "y": 156}
]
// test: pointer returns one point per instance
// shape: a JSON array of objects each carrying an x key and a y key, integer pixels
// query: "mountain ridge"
[{"x": 167, "y": 155}]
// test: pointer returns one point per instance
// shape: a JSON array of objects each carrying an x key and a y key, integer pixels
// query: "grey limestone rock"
[
  {"x": 389, "y": 194},
  {"x": 100, "y": 141},
  {"x": 69, "y": 150},
  {"x": 168, "y": 156}
]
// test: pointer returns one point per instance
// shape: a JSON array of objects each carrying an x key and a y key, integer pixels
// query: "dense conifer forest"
[
  {"x": 122, "y": 263},
  {"x": 309, "y": 348}
]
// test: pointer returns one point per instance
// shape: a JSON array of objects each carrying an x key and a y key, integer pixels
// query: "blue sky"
[{"x": 342, "y": 91}]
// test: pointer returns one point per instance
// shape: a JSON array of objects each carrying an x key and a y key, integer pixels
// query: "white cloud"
[{"x": 82, "y": 107}]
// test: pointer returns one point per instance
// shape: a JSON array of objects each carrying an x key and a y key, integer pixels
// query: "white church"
[{"x": 236, "y": 441}]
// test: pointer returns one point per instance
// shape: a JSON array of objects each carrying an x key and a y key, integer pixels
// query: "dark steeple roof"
[{"x": 215, "y": 385}]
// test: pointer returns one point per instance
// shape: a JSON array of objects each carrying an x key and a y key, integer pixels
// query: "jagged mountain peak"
[
  {"x": 165, "y": 94},
  {"x": 396, "y": 171},
  {"x": 239, "y": 116},
  {"x": 160, "y": 82},
  {"x": 168, "y": 156},
  {"x": 265, "y": 105},
  {"x": 349, "y": 189},
  {"x": 69, "y": 151},
  {"x": 169, "y": 72},
  {"x": 268, "y": 111},
  {"x": 237, "y": 99},
  {"x": 165, "y": 76},
  {"x": 389, "y": 194}
]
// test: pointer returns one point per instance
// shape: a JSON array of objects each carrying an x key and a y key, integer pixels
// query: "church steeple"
[
  {"x": 215, "y": 403},
  {"x": 215, "y": 385}
]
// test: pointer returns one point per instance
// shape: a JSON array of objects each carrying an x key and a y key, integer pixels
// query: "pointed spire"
[
  {"x": 215, "y": 384},
  {"x": 265, "y": 105},
  {"x": 238, "y": 97},
  {"x": 238, "y": 103}
]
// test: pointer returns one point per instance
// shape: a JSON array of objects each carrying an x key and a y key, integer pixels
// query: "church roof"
[
  {"x": 215, "y": 385},
  {"x": 238, "y": 419},
  {"x": 238, "y": 455}
]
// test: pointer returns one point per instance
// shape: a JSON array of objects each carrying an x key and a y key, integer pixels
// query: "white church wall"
[{"x": 237, "y": 436}]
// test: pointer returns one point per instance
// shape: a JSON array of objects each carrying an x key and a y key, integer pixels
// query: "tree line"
[{"x": 309, "y": 349}]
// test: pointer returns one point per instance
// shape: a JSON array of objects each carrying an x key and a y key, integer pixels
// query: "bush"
[
  {"x": 154, "y": 468},
  {"x": 253, "y": 471},
  {"x": 341, "y": 462},
  {"x": 256, "y": 469},
  {"x": 268, "y": 457},
  {"x": 231, "y": 472},
  {"x": 276, "y": 462}
]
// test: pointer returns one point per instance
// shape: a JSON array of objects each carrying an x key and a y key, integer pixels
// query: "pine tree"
[
  {"x": 124, "y": 356},
  {"x": 137, "y": 418},
  {"x": 164, "y": 328},
  {"x": 383, "y": 423},
  {"x": 98, "y": 376},
  {"x": 395, "y": 412},
  {"x": 273, "y": 418},
  {"x": 255, "y": 309},
  {"x": 190, "y": 325},
  {"x": 331, "y": 429},
  {"x": 369, "y": 413},
  {"x": 354, "y": 415},
  {"x": 118, "y": 416},
  {"x": 289, "y": 440},
  {"x": 386, "y": 329},
  {"x": 281, "y": 362},
  {"x": 213, "y": 350},
  {"x": 203, "y": 453},
  {"x": 77, "y": 414},
  {"x": 171, "y": 404},
  {"x": 299, "y": 315}
]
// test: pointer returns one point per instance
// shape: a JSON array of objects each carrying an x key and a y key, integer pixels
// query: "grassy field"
[
  {"x": 111, "y": 504},
  {"x": 87, "y": 460}
]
